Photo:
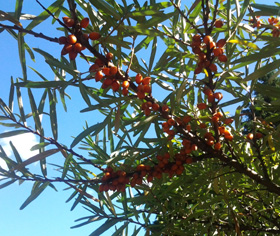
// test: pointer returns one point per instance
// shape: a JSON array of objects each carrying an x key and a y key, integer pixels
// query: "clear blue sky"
[{"x": 48, "y": 214}]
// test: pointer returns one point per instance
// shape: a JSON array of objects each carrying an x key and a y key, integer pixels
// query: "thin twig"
[{"x": 38, "y": 35}]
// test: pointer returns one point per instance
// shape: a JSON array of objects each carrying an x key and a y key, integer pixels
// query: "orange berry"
[
  {"x": 62, "y": 40},
  {"x": 196, "y": 50},
  {"x": 171, "y": 122},
  {"x": 138, "y": 78},
  {"x": 141, "y": 95},
  {"x": 113, "y": 70},
  {"x": 188, "y": 128},
  {"x": 84, "y": 22},
  {"x": 69, "y": 22},
  {"x": 228, "y": 121},
  {"x": 210, "y": 142},
  {"x": 212, "y": 45},
  {"x": 189, "y": 160},
  {"x": 68, "y": 48},
  {"x": 125, "y": 91},
  {"x": 147, "y": 89},
  {"x": 94, "y": 35},
  {"x": 207, "y": 39},
  {"x": 115, "y": 85},
  {"x": 146, "y": 80},
  {"x": 72, "y": 55},
  {"x": 217, "y": 51},
  {"x": 106, "y": 71},
  {"x": 229, "y": 137},
  {"x": 147, "y": 112},
  {"x": 207, "y": 91},
  {"x": 222, "y": 58},
  {"x": 250, "y": 136},
  {"x": 218, "y": 23},
  {"x": 201, "y": 106},
  {"x": 211, "y": 98},
  {"x": 71, "y": 39},
  {"x": 155, "y": 106},
  {"x": 221, "y": 43},
  {"x": 78, "y": 47},
  {"x": 196, "y": 37},
  {"x": 125, "y": 84},
  {"x": 221, "y": 129},
  {"x": 98, "y": 76},
  {"x": 109, "y": 56},
  {"x": 93, "y": 68},
  {"x": 198, "y": 70},
  {"x": 165, "y": 108},
  {"x": 187, "y": 119},
  {"x": 217, "y": 146},
  {"x": 218, "y": 95},
  {"x": 213, "y": 67}
]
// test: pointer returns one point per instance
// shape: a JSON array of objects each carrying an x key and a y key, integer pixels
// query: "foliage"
[{"x": 169, "y": 155}]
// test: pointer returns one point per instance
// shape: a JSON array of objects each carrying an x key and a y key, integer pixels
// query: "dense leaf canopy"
[{"x": 170, "y": 151}]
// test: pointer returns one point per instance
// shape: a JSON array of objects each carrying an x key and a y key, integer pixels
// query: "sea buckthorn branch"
[
  {"x": 185, "y": 17},
  {"x": 53, "y": 141},
  {"x": 58, "y": 20},
  {"x": 35, "y": 34}
]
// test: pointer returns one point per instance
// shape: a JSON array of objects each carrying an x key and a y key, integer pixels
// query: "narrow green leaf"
[
  {"x": 106, "y": 7},
  {"x": 20, "y": 105},
  {"x": 18, "y": 9},
  {"x": 79, "y": 198},
  {"x": 53, "y": 117},
  {"x": 11, "y": 94},
  {"x": 35, "y": 112},
  {"x": 104, "y": 227},
  {"x": 95, "y": 129},
  {"x": 263, "y": 70},
  {"x": 13, "y": 133},
  {"x": 16, "y": 154},
  {"x": 153, "y": 54},
  {"x": 44, "y": 15},
  {"x": 35, "y": 158},
  {"x": 66, "y": 165},
  {"x": 83, "y": 91},
  {"x": 35, "y": 193},
  {"x": 7, "y": 183},
  {"x": 22, "y": 58}
]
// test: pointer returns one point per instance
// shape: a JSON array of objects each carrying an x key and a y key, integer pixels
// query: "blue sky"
[{"x": 48, "y": 214}]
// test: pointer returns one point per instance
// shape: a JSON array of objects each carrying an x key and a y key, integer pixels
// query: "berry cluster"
[
  {"x": 71, "y": 44},
  {"x": 206, "y": 50},
  {"x": 276, "y": 27}
]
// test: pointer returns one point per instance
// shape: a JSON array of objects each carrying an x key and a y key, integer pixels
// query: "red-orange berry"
[
  {"x": 71, "y": 39},
  {"x": 94, "y": 35},
  {"x": 217, "y": 146},
  {"x": 222, "y": 58},
  {"x": 78, "y": 47},
  {"x": 98, "y": 76},
  {"x": 84, "y": 22},
  {"x": 115, "y": 85},
  {"x": 221, "y": 43},
  {"x": 69, "y": 22},
  {"x": 218, "y": 23},
  {"x": 125, "y": 84},
  {"x": 113, "y": 70},
  {"x": 250, "y": 136},
  {"x": 155, "y": 106},
  {"x": 201, "y": 106},
  {"x": 109, "y": 56},
  {"x": 62, "y": 40},
  {"x": 207, "y": 39},
  {"x": 72, "y": 55},
  {"x": 165, "y": 108}
]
